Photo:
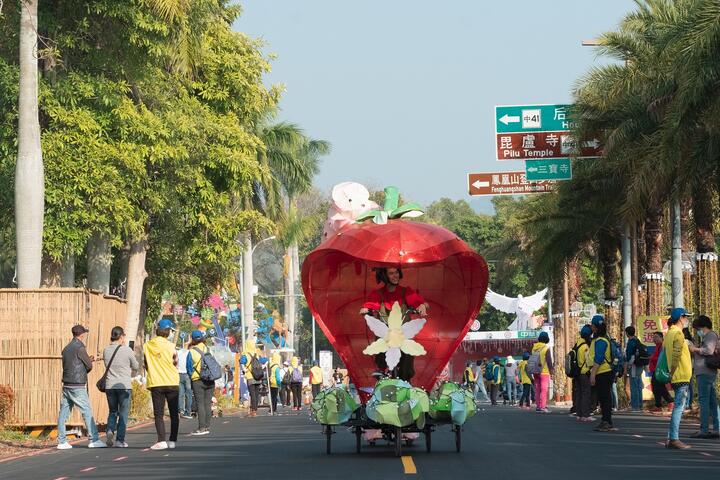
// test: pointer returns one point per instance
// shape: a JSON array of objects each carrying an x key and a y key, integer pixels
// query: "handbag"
[
  {"x": 662, "y": 374},
  {"x": 713, "y": 361},
  {"x": 101, "y": 383}
]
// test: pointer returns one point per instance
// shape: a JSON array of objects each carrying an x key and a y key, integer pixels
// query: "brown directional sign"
[
  {"x": 506, "y": 183},
  {"x": 543, "y": 145}
]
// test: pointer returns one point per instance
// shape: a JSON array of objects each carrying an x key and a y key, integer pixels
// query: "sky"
[{"x": 405, "y": 90}]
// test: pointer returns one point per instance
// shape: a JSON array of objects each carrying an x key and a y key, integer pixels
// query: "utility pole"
[
  {"x": 626, "y": 277},
  {"x": 677, "y": 278},
  {"x": 566, "y": 327}
]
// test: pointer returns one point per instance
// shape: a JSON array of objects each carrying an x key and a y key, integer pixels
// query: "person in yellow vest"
[
  {"x": 296, "y": 381},
  {"x": 542, "y": 380},
  {"x": 316, "y": 379},
  {"x": 202, "y": 390},
  {"x": 469, "y": 377},
  {"x": 526, "y": 381},
  {"x": 498, "y": 378},
  {"x": 679, "y": 364},
  {"x": 253, "y": 362},
  {"x": 582, "y": 393},
  {"x": 601, "y": 373},
  {"x": 163, "y": 381},
  {"x": 275, "y": 380}
]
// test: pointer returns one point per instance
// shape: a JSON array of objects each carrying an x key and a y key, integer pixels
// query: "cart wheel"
[
  {"x": 428, "y": 440},
  {"x": 398, "y": 441},
  {"x": 358, "y": 439},
  {"x": 328, "y": 436},
  {"x": 408, "y": 442},
  {"x": 458, "y": 438}
]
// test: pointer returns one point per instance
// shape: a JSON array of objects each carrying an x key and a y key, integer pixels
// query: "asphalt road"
[{"x": 501, "y": 442}]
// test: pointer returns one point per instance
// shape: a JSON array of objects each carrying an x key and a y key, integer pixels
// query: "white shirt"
[{"x": 182, "y": 359}]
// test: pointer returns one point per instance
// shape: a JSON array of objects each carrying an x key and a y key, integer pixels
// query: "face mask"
[{"x": 700, "y": 334}]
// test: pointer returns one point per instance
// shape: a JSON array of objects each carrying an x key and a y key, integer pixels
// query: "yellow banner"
[{"x": 647, "y": 325}]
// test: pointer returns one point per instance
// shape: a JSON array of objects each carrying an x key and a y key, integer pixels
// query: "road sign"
[
  {"x": 539, "y": 145},
  {"x": 553, "y": 169},
  {"x": 532, "y": 118},
  {"x": 505, "y": 183}
]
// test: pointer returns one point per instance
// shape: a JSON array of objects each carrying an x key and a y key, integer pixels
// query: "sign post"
[
  {"x": 505, "y": 183},
  {"x": 553, "y": 169}
]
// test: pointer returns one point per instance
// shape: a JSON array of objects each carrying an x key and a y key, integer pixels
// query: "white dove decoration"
[{"x": 522, "y": 307}]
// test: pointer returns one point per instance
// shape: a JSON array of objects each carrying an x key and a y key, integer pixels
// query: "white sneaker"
[
  {"x": 97, "y": 444},
  {"x": 159, "y": 446},
  {"x": 171, "y": 445},
  {"x": 109, "y": 438},
  {"x": 64, "y": 446},
  {"x": 120, "y": 445}
]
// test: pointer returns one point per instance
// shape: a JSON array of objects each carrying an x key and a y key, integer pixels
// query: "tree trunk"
[
  {"x": 609, "y": 256},
  {"x": 135, "y": 285},
  {"x": 29, "y": 174},
  {"x": 289, "y": 298},
  {"x": 67, "y": 274},
  {"x": 247, "y": 300},
  {"x": 296, "y": 283},
  {"x": 51, "y": 272},
  {"x": 99, "y": 262},
  {"x": 558, "y": 322},
  {"x": 653, "y": 257},
  {"x": 708, "y": 294}
]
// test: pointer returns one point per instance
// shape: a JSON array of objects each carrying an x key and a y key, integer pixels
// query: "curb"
[{"x": 74, "y": 442}]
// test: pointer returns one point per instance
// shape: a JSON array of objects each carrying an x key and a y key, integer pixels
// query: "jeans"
[
  {"x": 118, "y": 405},
  {"x": 493, "y": 393},
  {"x": 603, "y": 386},
  {"x": 203, "y": 392},
  {"x": 274, "y": 397},
  {"x": 614, "y": 394},
  {"x": 480, "y": 388},
  {"x": 525, "y": 398},
  {"x": 583, "y": 406},
  {"x": 160, "y": 395},
  {"x": 707, "y": 399},
  {"x": 681, "y": 394},
  {"x": 688, "y": 402},
  {"x": 76, "y": 397},
  {"x": 636, "y": 390},
  {"x": 542, "y": 383},
  {"x": 296, "y": 389},
  {"x": 511, "y": 388},
  {"x": 186, "y": 395}
]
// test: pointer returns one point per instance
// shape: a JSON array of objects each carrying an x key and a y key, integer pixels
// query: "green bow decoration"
[{"x": 391, "y": 210}]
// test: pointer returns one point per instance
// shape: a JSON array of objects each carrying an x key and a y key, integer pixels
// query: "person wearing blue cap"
[
  {"x": 202, "y": 390},
  {"x": 582, "y": 392},
  {"x": 498, "y": 372},
  {"x": 163, "y": 381},
  {"x": 526, "y": 380},
  {"x": 601, "y": 373},
  {"x": 542, "y": 353},
  {"x": 679, "y": 364}
]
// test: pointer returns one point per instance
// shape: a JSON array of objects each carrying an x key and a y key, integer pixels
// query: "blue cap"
[
  {"x": 526, "y": 355},
  {"x": 676, "y": 313},
  {"x": 197, "y": 335},
  {"x": 165, "y": 324},
  {"x": 597, "y": 320},
  {"x": 585, "y": 331},
  {"x": 544, "y": 337},
  {"x": 496, "y": 358}
]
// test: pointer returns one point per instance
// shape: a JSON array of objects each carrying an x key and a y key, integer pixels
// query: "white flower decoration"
[{"x": 395, "y": 337}]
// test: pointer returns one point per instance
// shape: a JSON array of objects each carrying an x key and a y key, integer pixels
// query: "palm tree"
[{"x": 29, "y": 174}]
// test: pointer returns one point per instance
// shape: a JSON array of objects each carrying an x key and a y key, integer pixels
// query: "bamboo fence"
[{"x": 34, "y": 328}]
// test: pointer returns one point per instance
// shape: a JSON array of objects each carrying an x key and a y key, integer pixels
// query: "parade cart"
[{"x": 338, "y": 276}]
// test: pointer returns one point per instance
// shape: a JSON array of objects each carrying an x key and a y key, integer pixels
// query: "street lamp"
[{"x": 242, "y": 287}]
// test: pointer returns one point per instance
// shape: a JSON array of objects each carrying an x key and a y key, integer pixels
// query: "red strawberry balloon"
[{"x": 338, "y": 276}]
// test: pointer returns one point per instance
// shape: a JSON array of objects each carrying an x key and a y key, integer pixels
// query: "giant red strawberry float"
[{"x": 338, "y": 276}]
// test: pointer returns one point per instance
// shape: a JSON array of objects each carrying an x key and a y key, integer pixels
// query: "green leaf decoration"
[{"x": 391, "y": 209}]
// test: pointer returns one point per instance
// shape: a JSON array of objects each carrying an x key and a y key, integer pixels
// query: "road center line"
[
  {"x": 119, "y": 459},
  {"x": 638, "y": 436},
  {"x": 88, "y": 469},
  {"x": 408, "y": 465},
  {"x": 62, "y": 478},
  {"x": 706, "y": 454}
]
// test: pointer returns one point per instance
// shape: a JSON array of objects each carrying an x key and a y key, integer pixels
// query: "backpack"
[
  {"x": 533, "y": 366},
  {"x": 287, "y": 379},
  {"x": 208, "y": 368},
  {"x": 572, "y": 365},
  {"x": 296, "y": 375},
  {"x": 617, "y": 359},
  {"x": 488, "y": 372},
  {"x": 642, "y": 357},
  {"x": 256, "y": 369}
]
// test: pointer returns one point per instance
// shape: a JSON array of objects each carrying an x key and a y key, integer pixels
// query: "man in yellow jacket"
[
  {"x": 316, "y": 379},
  {"x": 679, "y": 364},
  {"x": 202, "y": 390},
  {"x": 253, "y": 360},
  {"x": 163, "y": 381}
]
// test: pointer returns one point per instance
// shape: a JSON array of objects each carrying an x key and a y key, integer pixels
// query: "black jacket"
[{"x": 76, "y": 364}]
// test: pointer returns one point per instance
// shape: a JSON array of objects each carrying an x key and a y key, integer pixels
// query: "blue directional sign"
[
  {"x": 532, "y": 118},
  {"x": 552, "y": 169}
]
